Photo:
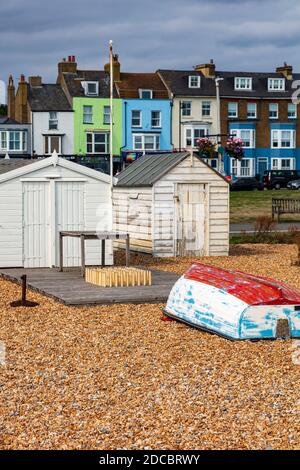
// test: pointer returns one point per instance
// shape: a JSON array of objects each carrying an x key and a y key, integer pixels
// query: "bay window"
[
  {"x": 97, "y": 142},
  {"x": 146, "y": 142},
  {"x": 192, "y": 134},
  {"x": 247, "y": 136},
  {"x": 13, "y": 141},
  {"x": 283, "y": 138},
  {"x": 283, "y": 164},
  {"x": 242, "y": 168}
]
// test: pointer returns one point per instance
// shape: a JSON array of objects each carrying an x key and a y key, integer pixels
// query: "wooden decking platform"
[{"x": 70, "y": 288}]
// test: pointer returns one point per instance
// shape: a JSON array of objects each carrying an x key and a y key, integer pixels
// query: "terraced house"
[
  {"x": 194, "y": 105},
  {"x": 88, "y": 93},
  {"x": 258, "y": 108},
  {"x": 146, "y": 113},
  {"x": 45, "y": 109}
]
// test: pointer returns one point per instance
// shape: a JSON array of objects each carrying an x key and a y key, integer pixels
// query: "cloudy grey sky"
[{"x": 253, "y": 35}]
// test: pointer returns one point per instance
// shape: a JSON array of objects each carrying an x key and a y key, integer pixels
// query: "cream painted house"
[{"x": 194, "y": 110}]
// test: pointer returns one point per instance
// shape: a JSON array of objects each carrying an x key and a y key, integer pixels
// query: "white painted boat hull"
[{"x": 213, "y": 309}]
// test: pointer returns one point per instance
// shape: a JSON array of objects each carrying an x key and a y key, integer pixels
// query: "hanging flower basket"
[
  {"x": 206, "y": 147},
  {"x": 234, "y": 148}
]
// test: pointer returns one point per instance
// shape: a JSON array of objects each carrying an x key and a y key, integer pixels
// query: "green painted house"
[{"x": 88, "y": 92}]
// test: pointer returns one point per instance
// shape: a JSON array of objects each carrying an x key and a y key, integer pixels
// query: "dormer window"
[
  {"x": 145, "y": 94},
  {"x": 242, "y": 83},
  {"x": 91, "y": 88},
  {"x": 194, "y": 81},
  {"x": 276, "y": 84}
]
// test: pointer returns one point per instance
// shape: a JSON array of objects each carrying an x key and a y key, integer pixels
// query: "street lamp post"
[
  {"x": 217, "y": 82},
  {"x": 111, "y": 156}
]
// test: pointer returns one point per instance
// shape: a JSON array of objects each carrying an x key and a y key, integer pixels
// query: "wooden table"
[{"x": 90, "y": 235}]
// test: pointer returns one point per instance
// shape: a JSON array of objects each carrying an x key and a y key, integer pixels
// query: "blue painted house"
[{"x": 146, "y": 118}]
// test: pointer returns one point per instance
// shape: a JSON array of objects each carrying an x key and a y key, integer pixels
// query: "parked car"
[
  {"x": 293, "y": 184},
  {"x": 276, "y": 179},
  {"x": 246, "y": 184}
]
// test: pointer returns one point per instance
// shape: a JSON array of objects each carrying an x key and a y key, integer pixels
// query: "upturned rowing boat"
[{"x": 235, "y": 304}]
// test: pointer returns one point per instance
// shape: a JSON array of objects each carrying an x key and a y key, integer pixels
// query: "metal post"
[
  {"x": 103, "y": 253},
  {"x": 61, "y": 254},
  {"x": 127, "y": 250},
  {"x": 24, "y": 282},
  {"x": 82, "y": 255}
]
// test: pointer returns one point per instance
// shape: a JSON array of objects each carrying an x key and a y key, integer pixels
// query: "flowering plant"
[
  {"x": 206, "y": 147},
  {"x": 234, "y": 148}
]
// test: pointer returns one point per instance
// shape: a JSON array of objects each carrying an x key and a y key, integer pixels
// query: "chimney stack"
[
  {"x": 21, "y": 108},
  {"x": 208, "y": 70},
  {"x": 286, "y": 71},
  {"x": 11, "y": 98},
  {"x": 116, "y": 68},
  {"x": 35, "y": 81},
  {"x": 66, "y": 66}
]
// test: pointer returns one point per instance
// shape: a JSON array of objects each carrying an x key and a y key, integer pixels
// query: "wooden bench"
[{"x": 285, "y": 206}]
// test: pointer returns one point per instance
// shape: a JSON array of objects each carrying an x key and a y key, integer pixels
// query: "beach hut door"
[{"x": 191, "y": 219}]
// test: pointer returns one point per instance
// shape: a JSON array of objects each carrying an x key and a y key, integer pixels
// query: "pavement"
[{"x": 249, "y": 227}]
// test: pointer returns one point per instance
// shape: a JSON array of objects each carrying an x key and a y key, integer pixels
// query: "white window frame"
[
  {"x": 238, "y": 83},
  {"x": 156, "y": 142},
  {"x": 49, "y": 137},
  {"x": 278, "y": 165},
  {"x": 239, "y": 134},
  {"x": 206, "y": 106},
  {"x": 53, "y": 120},
  {"x": 93, "y": 143},
  {"x": 237, "y": 167},
  {"x": 159, "y": 118},
  {"x": 86, "y": 87},
  {"x": 255, "y": 110},
  {"x": 141, "y": 91},
  {"x": 106, "y": 113},
  {"x": 87, "y": 114},
  {"x": 279, "y": 81},
  {"x": 198, "y": 81},
  {"x": 277, "y": 112},
  {"x": 140, "y": 118},
  {"x": 280, "y": 138},
  {"x": 236, "y": 109},
  {"x": 183, "y": 109},
  {"x": 22, "y": 140},
  {"x": 295, "y": 113},
  {"x": 191, "y": 130}
]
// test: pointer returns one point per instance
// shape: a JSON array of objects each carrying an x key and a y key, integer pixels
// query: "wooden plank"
[{"x": 70, "y": 288}]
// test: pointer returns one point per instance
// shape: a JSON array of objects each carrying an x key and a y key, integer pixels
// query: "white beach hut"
[
  {"x": 173, "y": 204},
  {"x": 40, "y": 198}
]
